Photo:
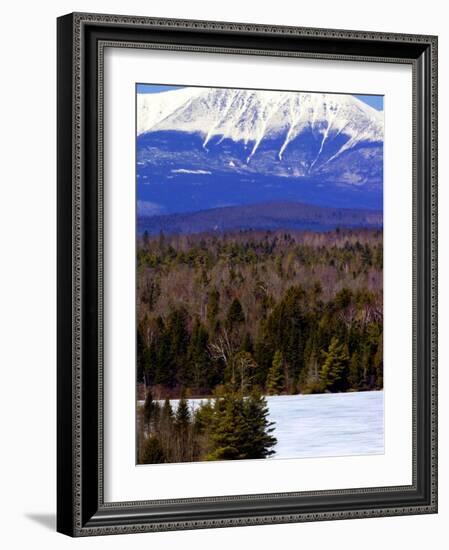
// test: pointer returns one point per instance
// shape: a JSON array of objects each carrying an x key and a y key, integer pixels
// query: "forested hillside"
[{"x": 276, "y": 312}]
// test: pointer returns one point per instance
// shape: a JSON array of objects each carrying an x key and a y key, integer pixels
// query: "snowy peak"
[{"x": 250, "y": 116}]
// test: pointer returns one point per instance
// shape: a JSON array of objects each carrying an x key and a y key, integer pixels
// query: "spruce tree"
[
  {"x": 182, "y": 416},
  {"x": 256, "y": 438},
  {"x": 182, "y": 428},
  {"x": 333, "y": 373},
  {"x": 140, "y": 349},
  {"x": 202, "y": 422},
  {"x": 166, "y": 430},
  {"x": 378, "y": 363},
  {"x": 287, "y": 328},
  {"x": 148, "y": 409},
  {"x": 149, "y": 364},
  {"x": 247, "y": 344},
  {"x": 227, "y": 428},
  {"x": 152, "y": 451},
  {"x": 213, "y": 305},
  {"x": 235, "y": 316},
  {"x": 167, "y": 418},
  {"x": 240, "y": 427},
  {"x": 172, "y": 348},
  {"x": 354, "y": 371},
  {"x": 275, "y": 377},
  {"x": 196, "y": 373}
]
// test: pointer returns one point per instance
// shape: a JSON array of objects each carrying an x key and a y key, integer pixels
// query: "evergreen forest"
[{"x": 235, "y": 317}]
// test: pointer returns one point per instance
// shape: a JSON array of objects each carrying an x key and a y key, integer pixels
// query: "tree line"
[
  {"x": 268, "y": 312},
  {"x": 230, "y": 426}
]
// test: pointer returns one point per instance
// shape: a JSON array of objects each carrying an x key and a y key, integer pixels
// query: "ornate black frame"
[{"x": 81, "y": 510}]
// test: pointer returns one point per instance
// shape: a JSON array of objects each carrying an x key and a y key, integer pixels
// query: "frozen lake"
[{"x": 338, "y": 424}]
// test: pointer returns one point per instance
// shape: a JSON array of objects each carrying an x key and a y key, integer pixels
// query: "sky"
[{"x": 376, "y": 101}]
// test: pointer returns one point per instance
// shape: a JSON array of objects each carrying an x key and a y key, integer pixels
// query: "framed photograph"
[{"x": 247, "y": 279}]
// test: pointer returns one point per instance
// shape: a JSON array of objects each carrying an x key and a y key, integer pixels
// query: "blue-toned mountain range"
[{"x": 209, "y": 148}]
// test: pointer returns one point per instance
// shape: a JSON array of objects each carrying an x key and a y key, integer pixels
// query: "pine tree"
[
  {"x": 172, "y": 348},
  {"x": 213, "y": 305},
  {"x": 263, "y": 355},
  {"x": 150, "y": 364},
  {"x": 140, "y": 349},
  {"x": 275, "y": 378},
  {"x": 202, "y": 422},
  {"x": 166, "y": 430},
  {"x": 182, "y": 425},
  {"x": 235, "y": 316},
  {"x": 167, "y": 411},
  {"x": 182, "y": 416},
  {"x": 333, "y": 373},
  {"x": 163, "y": 367},
  {"x": 227, "y": 428},
  {"x": 196, "y": 373},
  {"x": 240, "y": 427},
  {"x": 247, "y": 344},
  {"x": 378, "y": 363},
  {"x": 287, "y": 328},
  {"x": 257, "y": 441},
  {"x": 148, "y": 409},
  {"x": 152, "y": 451},
  {"x": 354, "y": 371}
]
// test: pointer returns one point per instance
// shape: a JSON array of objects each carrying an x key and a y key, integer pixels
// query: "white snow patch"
[{"x": 186, "y": 171}]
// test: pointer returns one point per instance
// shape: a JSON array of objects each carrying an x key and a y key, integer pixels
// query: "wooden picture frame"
[{"x": 81, "y": 509}]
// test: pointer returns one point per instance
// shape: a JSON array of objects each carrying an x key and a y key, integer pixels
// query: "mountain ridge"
[
  {"x": 252, "y": 115},
  {"x": 261, "y": 216},
  {"x": 214, "y": 145}
]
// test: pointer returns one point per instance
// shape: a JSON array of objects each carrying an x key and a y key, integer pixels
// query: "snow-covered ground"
[
  {"x": 338, "y": 424},
  {"x": 328, "y": 424}
]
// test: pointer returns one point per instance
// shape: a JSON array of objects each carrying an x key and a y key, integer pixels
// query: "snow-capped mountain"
[
  {"x": 195, "y": 137},
  {"x": 251, "y": 116}
]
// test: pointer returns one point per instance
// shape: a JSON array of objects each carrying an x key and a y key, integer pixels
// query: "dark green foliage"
[
  {"x": 182, "y": 417},
  {"x": 167, "y": 417},
  {"x": 334, "y": 370},
  {"x": 198, "y": 373},
  {"x": 257, "y": 441},
  {"x": 354, "y": 370},
  {"x": 148, "y": 408},
  {"x": 247, "y": 344},
  {"x": 165, "y": 430},
  {"x": 150, "y": 362},
  {"x": 213, "y": 304},
  {"x": 140, "y": 346},
  {"x": 240, "y": 428},
  {"x": 230, "y": 427},
  {"x": 227, "y": 428},
  {"x": 171, "y": 350},
  {"x": 235, "y": 315},
  {"x": 152, "y": 451},
  {"x": 216, "y": 309},
  {"x": 275, "y": 377},
  {"x": 287, "y": 330},
  {"x": 182, "y": 431}
]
